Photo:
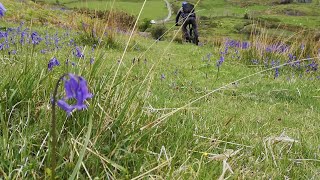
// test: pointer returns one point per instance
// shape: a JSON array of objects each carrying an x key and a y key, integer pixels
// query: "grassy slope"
[
  {"x": 154, "y": 9},
  {"x": 226, "y": 17},
  {"x": 247, "y": 113}
]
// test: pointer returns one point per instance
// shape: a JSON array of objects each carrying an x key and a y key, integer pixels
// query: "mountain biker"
[{"x": 189, "y": 17}]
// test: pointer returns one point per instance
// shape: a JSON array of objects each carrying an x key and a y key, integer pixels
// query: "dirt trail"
[{"x": 169, "y": 14}]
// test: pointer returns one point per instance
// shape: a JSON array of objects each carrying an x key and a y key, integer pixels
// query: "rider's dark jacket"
[{"x": 184, "y": 15}]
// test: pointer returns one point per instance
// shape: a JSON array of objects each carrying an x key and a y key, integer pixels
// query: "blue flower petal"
[{"x": 65, "y": 106}]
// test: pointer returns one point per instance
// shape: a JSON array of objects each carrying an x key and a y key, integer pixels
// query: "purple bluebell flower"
[
  {"x": 245, "y": 45},
  {"x": 12, "y": 52},
  {"x": 313, "y": 66},
  {"x": 36, "y": 39},
  {"x": 275, "y": 64},
  {"x": 268, "y": 50},
  {"x": 65, "y": 106},
  {"x": 163, "y": 76},
  {"x": 78, "y": 53},
  {"x": 71, "y": 42},
  {"x": 75, "y": 88},
  {"x": 276, "y": 74},
  {"x": 53, "y": 62},
  {"x": 2, "y": 10},
  {"x": 91, "y": 60},
  {"x": 93, "y": 47},
  {"x": 255, "y": 61},
  {"x": 220, "y": 61},
  {"x": 3, "y": 34},
  {"x": 22, "y": 35}
]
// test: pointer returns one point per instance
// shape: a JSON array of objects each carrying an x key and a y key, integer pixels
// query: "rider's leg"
[
  {"x": 195, "y": 29},
  {"x": 185, "y": 31}
]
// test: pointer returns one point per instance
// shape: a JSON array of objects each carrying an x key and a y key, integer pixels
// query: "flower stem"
[
  {"x": 53, "y": 129},
  {"x": 218, "y": 73}
]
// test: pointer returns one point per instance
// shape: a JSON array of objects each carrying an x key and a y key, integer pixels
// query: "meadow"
[
  {"x": 154, "y": 9},
  {"x": 244, "y": 108}
]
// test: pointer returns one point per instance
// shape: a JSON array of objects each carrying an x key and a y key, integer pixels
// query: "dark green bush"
[
  {"x": 158, "y": 31},
  {"x": 144, "y": 25}
]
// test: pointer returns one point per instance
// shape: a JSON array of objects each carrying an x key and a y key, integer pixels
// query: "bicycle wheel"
[
  {"x": 191, "y": 34},
  {"x": 194, "y": 38}
]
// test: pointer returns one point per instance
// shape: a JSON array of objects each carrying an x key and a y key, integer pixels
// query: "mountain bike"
[{"x": 193, "y": 39}]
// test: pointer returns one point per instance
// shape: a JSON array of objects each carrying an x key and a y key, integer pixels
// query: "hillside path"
[{"x": 169, "y": 14}]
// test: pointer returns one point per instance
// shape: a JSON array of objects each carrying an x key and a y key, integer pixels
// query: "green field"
[
  {"x": 154, "y": 9},
  {"x": 226, "y": 109}
]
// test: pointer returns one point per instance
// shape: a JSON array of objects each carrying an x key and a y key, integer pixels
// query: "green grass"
[
  {"x": 154, "y": 9},
  {"x": 244, "y": 117},
  {"x": 226, "y": 12}
]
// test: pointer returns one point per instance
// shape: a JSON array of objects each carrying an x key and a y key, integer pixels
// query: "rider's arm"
[{"x": 178, "y": 16}]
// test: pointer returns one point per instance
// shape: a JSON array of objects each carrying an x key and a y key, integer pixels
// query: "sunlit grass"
[
  {"x": 169, "y": 123},
  {"x": 154, "y": 9}
]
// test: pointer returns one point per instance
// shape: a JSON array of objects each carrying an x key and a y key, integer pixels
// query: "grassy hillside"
[
  {"x": 160, "y": 109},
  {"x": 234, "y": 17},
  {"x": 154, "y": 9}
]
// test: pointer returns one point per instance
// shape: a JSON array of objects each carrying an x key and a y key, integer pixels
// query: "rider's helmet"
[{"x": 184, "y": 3}]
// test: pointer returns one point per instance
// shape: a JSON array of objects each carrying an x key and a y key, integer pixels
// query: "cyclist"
[{"x": 188, "y": 17}]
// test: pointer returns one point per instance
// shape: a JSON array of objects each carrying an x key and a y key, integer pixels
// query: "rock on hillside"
[
  {"x": 305, "y": 1},
  {"x": 285, "y": 1},
  {"x": 290, "y": 1}
]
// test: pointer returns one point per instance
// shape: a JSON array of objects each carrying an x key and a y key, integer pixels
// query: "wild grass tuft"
[{"x": 159, "y": 110}]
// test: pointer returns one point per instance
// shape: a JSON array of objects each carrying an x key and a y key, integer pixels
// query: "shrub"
[
  {"x": 144, "y": 25},
  {"x": 175, "y": 8},
  {"x": 246, "y": 16},
  {"x": 158, "y": 31}
]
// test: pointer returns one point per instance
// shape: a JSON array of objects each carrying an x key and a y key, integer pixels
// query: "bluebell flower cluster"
[
  {"x": 78, "y": 53},
  {"x": 257, "y": 53},
  {"x": 53, "y": 62},
  {"x": 35, "y": 38},
  {"x": 75, "y": 88},
  {"x": 2, "y": 10},
  {"x": 14, "y": 40},
  {"x": 220, "y": 61}
]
